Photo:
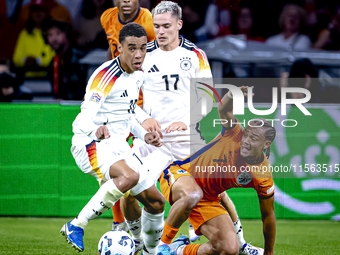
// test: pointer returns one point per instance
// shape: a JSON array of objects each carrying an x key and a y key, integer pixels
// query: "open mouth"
[
  {"x": 245, "y": 149},
  {"x": 138, "y": 64}
]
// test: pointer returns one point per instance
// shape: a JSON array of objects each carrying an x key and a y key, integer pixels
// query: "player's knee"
[
  {"x": 193, "y": 197},
  {"x": 225, "y": 247},
  {"x": 128, "y": 180},
  {"x": 156, "y": 206},
  {"x": 133, "y": 178}
]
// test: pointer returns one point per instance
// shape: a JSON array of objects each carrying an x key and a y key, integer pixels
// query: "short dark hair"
[{"x": 131, "y": 29}]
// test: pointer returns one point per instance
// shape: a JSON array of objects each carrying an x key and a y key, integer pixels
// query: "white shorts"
[
  {"x": 158, "y": 158},
  {"x": 96, "y": 159}
]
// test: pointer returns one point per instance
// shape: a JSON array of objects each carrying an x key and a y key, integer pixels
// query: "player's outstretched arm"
[
  {"x": 225, "y": 110},
  {"x": 269, "y": 224},
  {"x": 153, "y": 139}
]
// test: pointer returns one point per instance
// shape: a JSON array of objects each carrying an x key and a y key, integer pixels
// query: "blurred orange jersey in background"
[{"x": 112, "y": 24}]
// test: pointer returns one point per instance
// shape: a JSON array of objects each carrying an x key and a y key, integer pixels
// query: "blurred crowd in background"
[{"x": 34, "y": 32}]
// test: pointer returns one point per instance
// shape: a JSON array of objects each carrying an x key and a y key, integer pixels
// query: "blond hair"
[{"x": 168, "y": 6}]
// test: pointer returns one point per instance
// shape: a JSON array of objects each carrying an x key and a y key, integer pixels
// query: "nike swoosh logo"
[{"x": 69, "y": 233}]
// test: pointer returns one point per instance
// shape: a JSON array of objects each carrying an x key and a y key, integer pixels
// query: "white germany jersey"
[
  {"x": 110, "y": 98},
  {"x": 168, "y": 94}
]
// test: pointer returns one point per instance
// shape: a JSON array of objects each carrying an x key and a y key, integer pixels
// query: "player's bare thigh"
[
  {"x": 186, "y": 186},
  {"x": 221, "y": 235}
]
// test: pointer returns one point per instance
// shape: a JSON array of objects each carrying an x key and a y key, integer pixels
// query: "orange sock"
[
  {"x": 191, "y": 249},
  {"x": 168, "y": 233},
  {"x": 118, "y": 216}
]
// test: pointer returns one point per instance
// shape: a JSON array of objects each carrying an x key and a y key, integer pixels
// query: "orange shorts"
[
  {"x": 203, "y": 211},
  {"x": 168, "y": 178}
]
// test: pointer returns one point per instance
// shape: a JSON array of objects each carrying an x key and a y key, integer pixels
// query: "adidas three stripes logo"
[
  {"x": 125, "y": 94},
  {"x": 153, "y": 69}
]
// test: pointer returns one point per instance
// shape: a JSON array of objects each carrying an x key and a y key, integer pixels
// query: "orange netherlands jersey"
[
  {"x": 112, "y": 24},
  {"x": 218, "y": 167}
]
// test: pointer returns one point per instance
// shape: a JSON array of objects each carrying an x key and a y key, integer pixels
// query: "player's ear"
[
  {"x": 179, "y": 24},
  {"x": 120, "y": 47},
  {"x": 267, "y": 143}
]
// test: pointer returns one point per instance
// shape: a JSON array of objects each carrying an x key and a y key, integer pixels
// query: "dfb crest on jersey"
[{"x": 185, "y": 63}]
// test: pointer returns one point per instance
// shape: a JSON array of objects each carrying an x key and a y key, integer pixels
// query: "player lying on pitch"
[{"x": 245, "y": 153}]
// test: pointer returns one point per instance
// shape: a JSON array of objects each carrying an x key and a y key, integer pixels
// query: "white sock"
[
  {"x": 152, "y": 225},
  {"x": 180, "y": 249},
  {"x": 135, "y": 228},
  {"x": 239, "y": 232},
  {"x": 107, "y": 195}
]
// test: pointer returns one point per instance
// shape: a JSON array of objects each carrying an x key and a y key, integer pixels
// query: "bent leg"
[
  {"x": 221, "y": 235},
  {"x": 185, "y": 195},
  {"x": 132, "y": 212},
  {"x": 152, "y": 217},
  {"x": 108, "y": 194},
  {"x": 123, "y": 176},
  {"x": 230, "y": 207},
  {"x": 118, "y": 217},
  {"x": 130, "y": 207}
]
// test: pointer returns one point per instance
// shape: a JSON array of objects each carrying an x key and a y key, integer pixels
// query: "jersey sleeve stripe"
[
  {"x": 111, "y": 68},
  {"x": 263, "y": 197},
  {"x": 105, "y": 79},
  {"x": 204, "y": 149},
  {"x": 196, "y": 154},
  {"x": 203, "y": 60},
  {"x": 151, "y": 46}
]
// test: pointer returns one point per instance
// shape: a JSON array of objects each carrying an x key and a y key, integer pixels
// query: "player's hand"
[
  {"x": 179, "y": 125},
  {"x": 102, "y": 133},
  {"x": 152, "y": 125},
  {"x": 244, "y": 90},
  {"x": 153, "y": 139}
]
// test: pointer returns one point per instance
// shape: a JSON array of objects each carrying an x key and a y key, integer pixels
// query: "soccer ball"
[{"x": 116, "y": 242}]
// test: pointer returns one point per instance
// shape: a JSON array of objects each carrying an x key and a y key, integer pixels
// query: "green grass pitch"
[{"x": 41, "y": 236}]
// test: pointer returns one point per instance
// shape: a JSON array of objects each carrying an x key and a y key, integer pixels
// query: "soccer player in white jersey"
[
  {"x": 174, "y": 101},
  {"x": 99, "y": 144},
  {"x": 169, "y": 66}
]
